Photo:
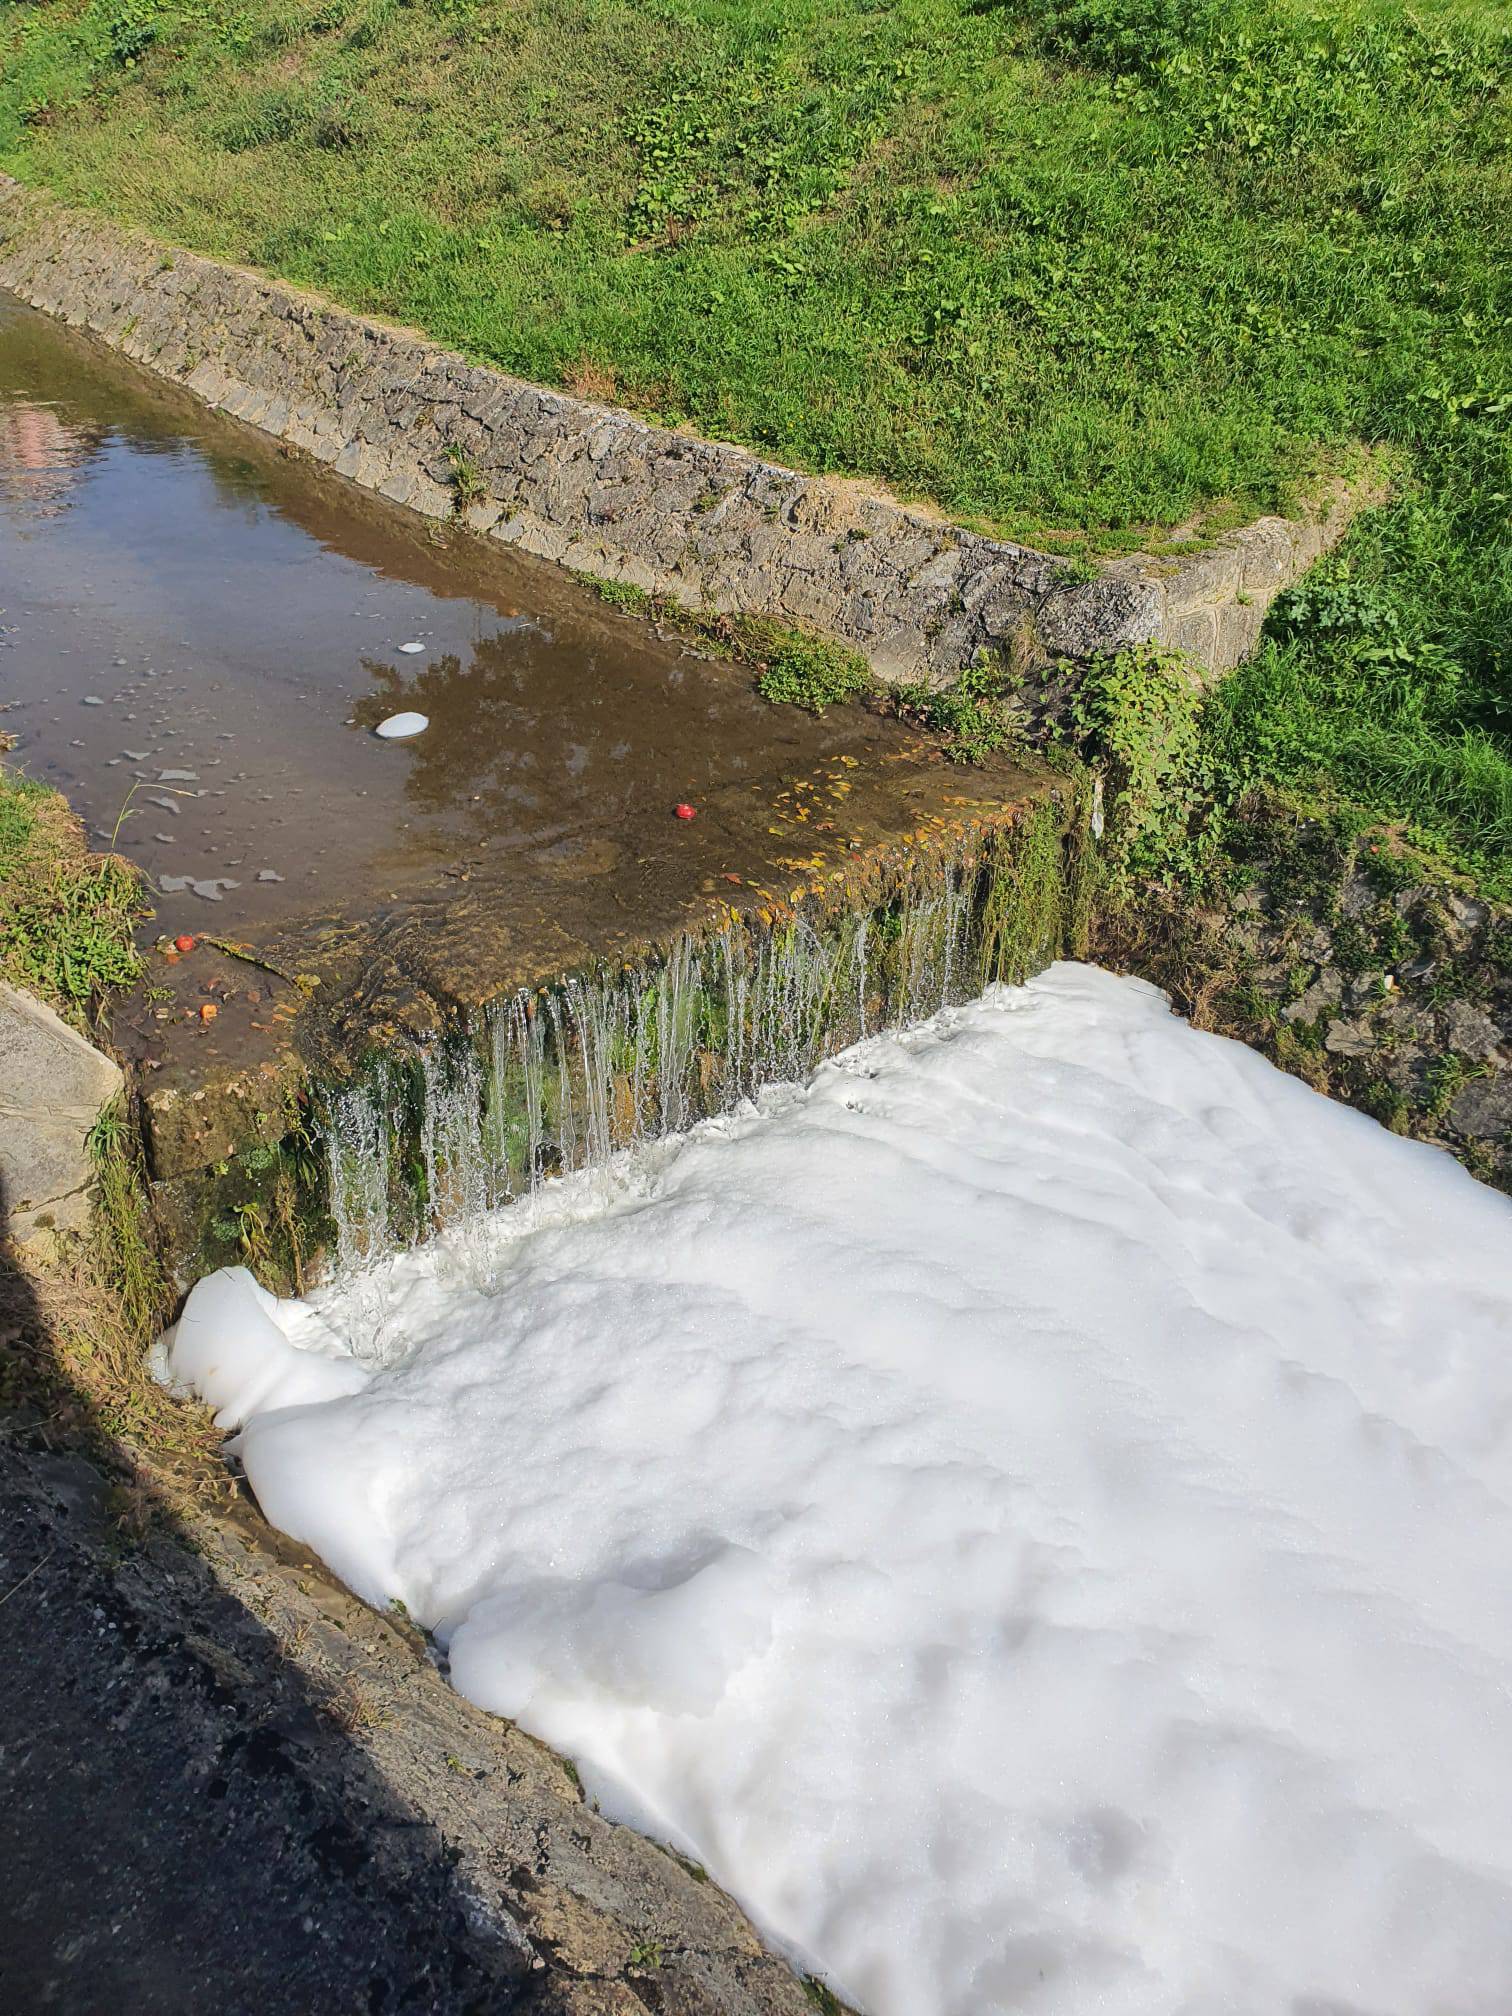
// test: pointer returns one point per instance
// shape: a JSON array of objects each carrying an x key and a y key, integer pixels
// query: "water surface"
[{"x": 182, "y": 596}]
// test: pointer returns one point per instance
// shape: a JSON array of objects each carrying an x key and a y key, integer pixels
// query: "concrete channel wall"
[{"x": 609, "y": 495}]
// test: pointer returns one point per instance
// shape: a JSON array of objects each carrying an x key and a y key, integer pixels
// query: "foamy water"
[{"x": 1029, "y": 1513}]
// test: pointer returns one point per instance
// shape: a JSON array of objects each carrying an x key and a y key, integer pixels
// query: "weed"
[
  {"x": 796, "y": 668},
  {"x": 1447, "y": 1077},
  {"x": 1139, "y": 713},
  {"x": 352, "y": 1708},
  {"x": 66, "y": 915},
  {"x": 621, "y": 595},
  {"x": 126, "y": 1258},
  {"x": 972, "y": 717},
  {"x": 467, "y": 483},
  {"x": 1076, "y": 571},
  {"x": 806, "y": 671}
]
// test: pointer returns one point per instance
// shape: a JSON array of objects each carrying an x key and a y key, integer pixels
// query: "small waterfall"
[{"x": 567, "y": 1076}]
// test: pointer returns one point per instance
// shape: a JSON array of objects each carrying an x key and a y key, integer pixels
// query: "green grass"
[
  {"x": 66, "y": 915},
  {"x": 1091, "y": 273},
  {"x": 1387, "y": 675},
  {"x": 1083, "y": 266}
]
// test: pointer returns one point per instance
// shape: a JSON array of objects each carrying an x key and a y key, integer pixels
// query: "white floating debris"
[
  {"x": 411, "y": 647},
  {"x": 178, "y": 776},
  {"x": 136, "y": 755},
  {"x": 208, "y": 886},
  {"x": 268, "y": 875},
  {"x": 166, "y": 838},
  {"x": 93, "y": 700},
  {"x": 398, "y": 725}
]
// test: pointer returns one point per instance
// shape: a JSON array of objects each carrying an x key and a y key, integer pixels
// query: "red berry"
[
  {"x": 183, "y": 943},
  {"x": 684, "y": 812}
]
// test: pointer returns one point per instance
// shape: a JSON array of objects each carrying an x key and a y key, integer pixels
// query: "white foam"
[
  {"x": 244, "y": 1352},
  {"x": 1031, "y": 1514}
]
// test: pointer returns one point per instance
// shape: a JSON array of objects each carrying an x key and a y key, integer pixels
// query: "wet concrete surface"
[{"x": 226, "y": 1786}]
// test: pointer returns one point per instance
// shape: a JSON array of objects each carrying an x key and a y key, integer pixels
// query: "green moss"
[
  {"x": 1024, "y": 915},
  {"x": 1387, "y": 1103},
  {"x": 824, "y": 1999},
  {"x": 266, "y": 1206},
  {"x": 686, "y": 1034}
]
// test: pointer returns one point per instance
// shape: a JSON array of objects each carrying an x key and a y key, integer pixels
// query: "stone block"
[
  {"x": 53, "y": 1085},
  {"x": 1201, "y": 578},
  {"x": 1195, "y": 632}
]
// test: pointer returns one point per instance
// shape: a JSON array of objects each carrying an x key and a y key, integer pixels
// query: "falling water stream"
[{"x": 569, "y": 1077}]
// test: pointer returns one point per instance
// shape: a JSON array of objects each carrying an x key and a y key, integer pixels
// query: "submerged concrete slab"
[{"x": 826, "y": 819}]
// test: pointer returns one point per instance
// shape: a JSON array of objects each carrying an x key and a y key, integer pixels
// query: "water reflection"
[
  {"x": 531, "y": 736},
  {"x": 42, "y": 457}
]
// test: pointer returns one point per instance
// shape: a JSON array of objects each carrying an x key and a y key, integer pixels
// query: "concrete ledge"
[
  {"x": 609, "y": 495},
  {"x": 52, "y": 1088}
]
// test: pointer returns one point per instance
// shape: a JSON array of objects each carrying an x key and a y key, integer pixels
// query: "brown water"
[{"x": 198, "y": 633}]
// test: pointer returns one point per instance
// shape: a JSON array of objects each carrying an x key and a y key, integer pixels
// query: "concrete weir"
[
  {"x": 418, "y": 977},
  {"x": 400, "y": 1074}
]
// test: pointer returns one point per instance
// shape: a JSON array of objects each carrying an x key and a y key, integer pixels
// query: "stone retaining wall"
[
  {"x": 609, "y": 495},
  {"x": 1353, "y": 962}
]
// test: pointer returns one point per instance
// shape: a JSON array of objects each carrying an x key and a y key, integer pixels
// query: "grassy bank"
[
  {"x": 66, "y": 915},
  {"x": 1093, "y": 273},
  {"x": 1079, "y": 265}
]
